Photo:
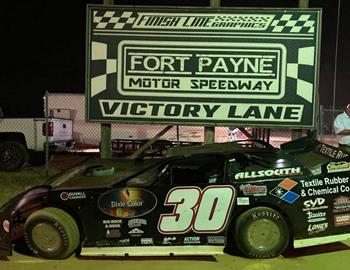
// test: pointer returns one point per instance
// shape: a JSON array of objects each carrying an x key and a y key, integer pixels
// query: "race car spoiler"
[{"x": 308, "y": 144}]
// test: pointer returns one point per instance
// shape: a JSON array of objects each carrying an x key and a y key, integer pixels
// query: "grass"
[{"x": 13, "y": 183}]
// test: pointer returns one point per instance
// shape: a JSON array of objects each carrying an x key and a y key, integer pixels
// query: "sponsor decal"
[
  {"x": 115, "y": 224},
  {"x": 253, "y": 190},
  {"x": 216, "y": 239},
  {"x": 136, "y": 232},
  {"x": 325, "y": 186},
  {"x": 315, "y": 204},
  {"x": 283, "y": 191},
  {"x": 260, "y": 214},
  {"x": 317, "y": 228},
  {"x": 113, "y": 233},
  {"x": 127, "y": 202},
  {"x": 146, "y": 241},
  {"x": 192, "y": 240},
  {"x": 137, "y": 222},
  {"x": 313, "y": 217},
  {"x": 341, "y": 166},
  {"x": 124, "y": 242},
  {"x": 150, "y": 20},
  {"x": 168, "y": 240},
  {"x": 242, "y": 200},
  {"x": 341, "y": 204},
  {"x": 65, "y": 196},
  {"x": 193, "y": 209},
  {"x": 330, "y": 151},
  {"x": 342, "y": 220},
  {"x": 269, "y": 173}
]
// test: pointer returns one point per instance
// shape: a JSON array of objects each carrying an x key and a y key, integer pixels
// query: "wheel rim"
[
  {"x": 46, "y": 237},
  {"x": 263, "y": 234},
  {"x": 9, "y": 155}
]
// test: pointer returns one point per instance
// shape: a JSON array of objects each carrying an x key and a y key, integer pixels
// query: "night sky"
[{"x": 43, "y": 48}]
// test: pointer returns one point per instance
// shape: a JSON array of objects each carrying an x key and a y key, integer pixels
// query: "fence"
[{"x": 87, "y": 134}]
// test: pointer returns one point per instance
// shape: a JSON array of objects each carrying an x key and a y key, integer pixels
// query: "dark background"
[{"x": 43, "y": 48}]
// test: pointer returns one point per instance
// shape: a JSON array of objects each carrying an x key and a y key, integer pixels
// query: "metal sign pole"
[
  {"x": 106, "y": 128},
  {"x": 209, "y": 132},
  {"x": 297, "y": 133},
  {"x": 46, "y": 111}
]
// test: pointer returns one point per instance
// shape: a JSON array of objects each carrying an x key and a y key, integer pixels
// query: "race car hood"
[{"x": 17, "y": 205}]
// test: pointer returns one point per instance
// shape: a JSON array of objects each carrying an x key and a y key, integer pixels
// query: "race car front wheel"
[
  {"x": 261, "y": 232},
  {"x": 52, "y": 233}
]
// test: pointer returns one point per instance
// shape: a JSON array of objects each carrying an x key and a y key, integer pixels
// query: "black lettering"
[
  {"x": 290, "y": 112},
  {"x": 110, "y": 110},
  {"x": 136, "y": 109},
  {"x": 172, "y": 110},
  {"x": 257, "y": 86},
  {"x": 276, "y": 113},
  {"x": 191, "y": 110},
  {"x": 137, "y": 82},
  {"x": 175, "y": 83},
  {"x": 155, "y": 108},
  {"x": 247, "y": 85},
  {"x": 210, "y": 111},
  {"x": 232, "y": 112},
  {"x": 194, "y": 84},
  {"x": 124, "y": 110},
  {"x": 253, "y": 111}
]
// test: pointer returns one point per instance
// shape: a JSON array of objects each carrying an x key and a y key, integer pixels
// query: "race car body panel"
[{"x": 200, "y": 199}]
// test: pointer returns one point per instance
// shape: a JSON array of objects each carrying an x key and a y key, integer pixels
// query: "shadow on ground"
[{"x": 321, "y": 249}]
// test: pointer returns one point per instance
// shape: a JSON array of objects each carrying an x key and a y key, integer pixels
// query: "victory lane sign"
[{"x": 190, "y": 66}]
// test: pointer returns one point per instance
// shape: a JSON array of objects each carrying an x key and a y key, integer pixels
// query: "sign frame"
[{"x": 129, "y": 101}]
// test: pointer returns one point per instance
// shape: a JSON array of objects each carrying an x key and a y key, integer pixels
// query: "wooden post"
[
  {"x": 303, "y": 3},
  {"x": 106, "y": 141}
]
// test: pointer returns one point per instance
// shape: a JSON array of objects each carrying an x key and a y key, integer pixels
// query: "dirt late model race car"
[{"x": 246, "y": 194}]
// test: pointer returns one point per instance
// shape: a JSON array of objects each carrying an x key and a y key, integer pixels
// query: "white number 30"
[{"x": 203, "y": 211}]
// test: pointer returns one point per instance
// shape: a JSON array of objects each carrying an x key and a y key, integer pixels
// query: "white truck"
[{"x": 23, "y": 140}]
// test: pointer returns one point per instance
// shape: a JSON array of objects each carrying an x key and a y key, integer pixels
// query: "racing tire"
[
  {"x": 261, "y": 233},
  {"x": 12, "y": 155},
  {"x": 52, "y": 233}
]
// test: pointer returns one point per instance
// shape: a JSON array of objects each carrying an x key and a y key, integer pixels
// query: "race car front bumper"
[{"x": 8, "y": 230}]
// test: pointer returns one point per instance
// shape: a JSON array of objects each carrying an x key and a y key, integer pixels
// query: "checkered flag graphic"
[
  {"x": 111, "y": 20},
  {"x": 293, "y": 23},
  {"x": 103, "y": 66},
  {"x": 300, "y": 72}
]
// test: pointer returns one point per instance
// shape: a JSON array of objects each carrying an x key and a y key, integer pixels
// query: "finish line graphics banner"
[{"x": 227, "y": 67}]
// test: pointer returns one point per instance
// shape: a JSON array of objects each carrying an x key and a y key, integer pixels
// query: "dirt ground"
[{"x": 326, "y": 257}]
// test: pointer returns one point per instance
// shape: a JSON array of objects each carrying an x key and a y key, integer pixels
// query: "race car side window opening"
[
  {"x": 245, "y": 162},
  {"x": 193, "y": 171}
]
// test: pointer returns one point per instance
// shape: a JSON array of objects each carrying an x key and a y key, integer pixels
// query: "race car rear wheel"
[
  {"x": 261, "y": 232},
  {"x": 52, "y": 233}
]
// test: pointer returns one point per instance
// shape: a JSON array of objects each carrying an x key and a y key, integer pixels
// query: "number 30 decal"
[{"x": 203, "y": 211}]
